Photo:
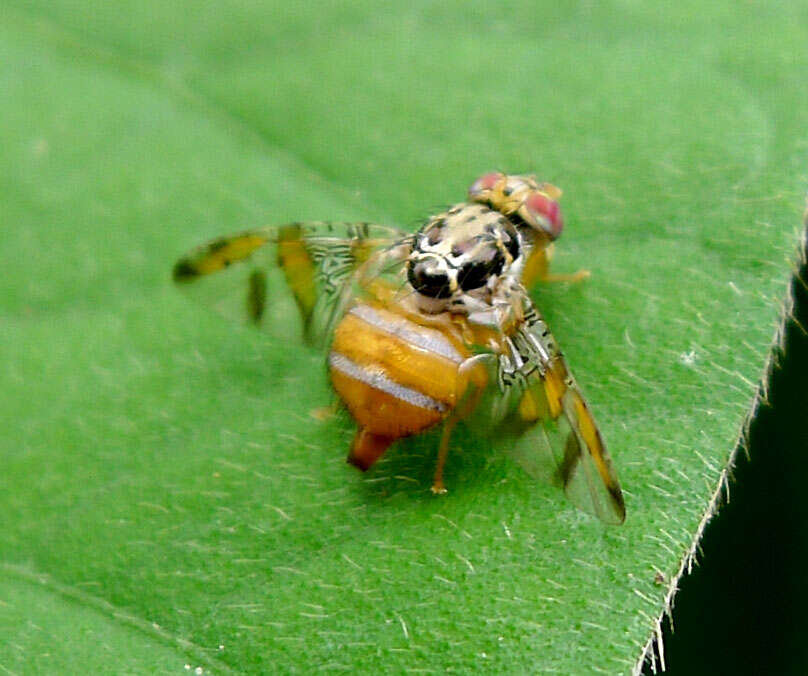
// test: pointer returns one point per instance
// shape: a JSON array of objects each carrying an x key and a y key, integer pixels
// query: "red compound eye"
[
  {"x": 485, "y": 184},
  {"x": 545, "y": 213}
]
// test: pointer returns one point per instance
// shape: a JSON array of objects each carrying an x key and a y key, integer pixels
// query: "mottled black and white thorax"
[{"x": 465, "y": 259}]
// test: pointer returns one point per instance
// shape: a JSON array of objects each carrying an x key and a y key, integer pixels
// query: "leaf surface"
[{"x": 163, "y": 464}]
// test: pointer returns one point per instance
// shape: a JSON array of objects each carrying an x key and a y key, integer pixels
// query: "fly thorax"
[{"x": 459, "y": 256}]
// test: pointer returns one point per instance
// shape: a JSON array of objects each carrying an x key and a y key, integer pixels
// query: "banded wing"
[
  {"x": 532, "y": 399},
  {"x": 255, "y": 276}
]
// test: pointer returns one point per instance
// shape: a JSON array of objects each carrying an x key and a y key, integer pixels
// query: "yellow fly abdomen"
[{"x": 395, "y": 376}]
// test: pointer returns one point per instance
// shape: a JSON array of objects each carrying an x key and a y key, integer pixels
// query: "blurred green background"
[{"x": 167, "y": 499}]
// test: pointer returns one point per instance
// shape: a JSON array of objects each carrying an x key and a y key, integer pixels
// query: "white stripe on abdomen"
[
  {"x": 381, "y": 382},
  {"x": 425, "y": 338}
]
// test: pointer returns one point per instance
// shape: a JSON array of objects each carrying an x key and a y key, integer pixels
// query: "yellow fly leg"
[
  {"x": 472, "y": 381},
  {"x": 324, "y": 413},
  {"x": 438, "y": 487},
  {"x": 537, "y": 268}
]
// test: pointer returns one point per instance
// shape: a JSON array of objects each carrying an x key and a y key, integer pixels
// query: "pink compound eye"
[
  {"x": 544, "y": 213},
  {"x": 485, "y": 184}
]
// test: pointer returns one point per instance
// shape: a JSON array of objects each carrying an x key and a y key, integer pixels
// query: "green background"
[{"x": 167, "y": 500}]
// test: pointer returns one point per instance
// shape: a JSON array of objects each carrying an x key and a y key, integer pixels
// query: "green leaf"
[
  {"x": 161, "y": 467},
  {"x": 751, "y": 560}
]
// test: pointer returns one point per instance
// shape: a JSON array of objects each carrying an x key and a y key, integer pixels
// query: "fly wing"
[
  {"x": 256, "y": 276},
  {"x": 532, "y": 400}
]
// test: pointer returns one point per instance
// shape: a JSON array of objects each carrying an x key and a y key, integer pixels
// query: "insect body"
[
  {"x": 396, "y": 376},
  {"x": 430, "y": 328}
]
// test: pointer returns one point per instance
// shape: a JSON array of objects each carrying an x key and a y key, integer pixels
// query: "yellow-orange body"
[{"x": 397, "y": 375}]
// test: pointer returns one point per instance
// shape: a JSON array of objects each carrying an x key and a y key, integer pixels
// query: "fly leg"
[
  {"x": 323, "y": 413},
  {"x": 472, "y": 380},
  {"x": 443, "y": 451},
  {"x": 578, "y": 276},
  {"x": 537, "y": 268}
]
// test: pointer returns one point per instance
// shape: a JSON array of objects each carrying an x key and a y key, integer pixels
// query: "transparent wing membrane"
[
  {"x": 533, "y": 406},
  {"x": 257, "y": 277}
]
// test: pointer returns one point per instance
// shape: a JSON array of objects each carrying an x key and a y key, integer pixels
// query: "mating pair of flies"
[{"x": 429, "y": 328}]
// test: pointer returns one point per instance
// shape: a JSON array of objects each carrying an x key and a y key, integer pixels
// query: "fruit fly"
[{"x": 429, "y": 328}]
